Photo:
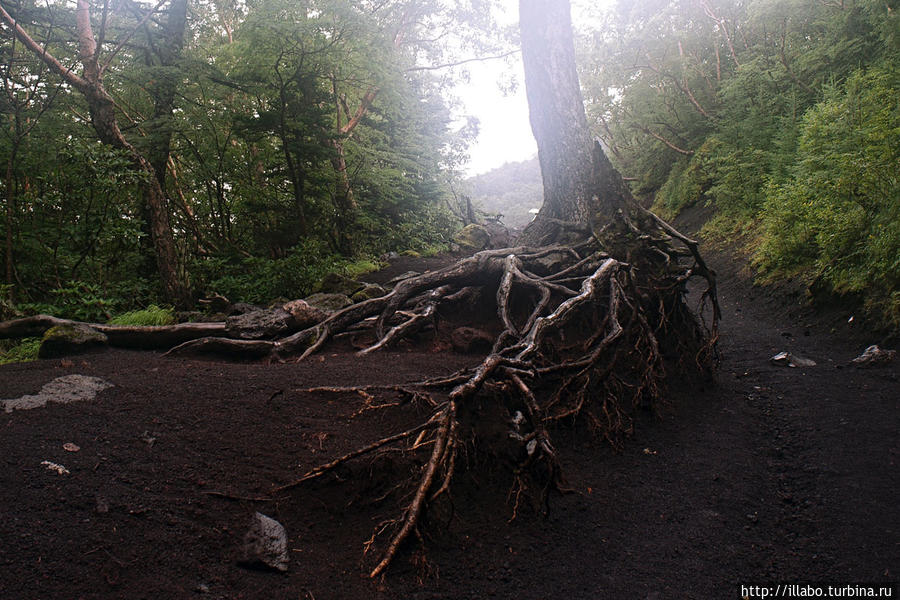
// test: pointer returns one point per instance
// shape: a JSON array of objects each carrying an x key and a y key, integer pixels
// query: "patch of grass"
[
  {"x": 360, "y": 267},
  {"x": 25, "y": 351},
  {"x": 152, "y": 315},
  {"x": 433, "y": 250}
]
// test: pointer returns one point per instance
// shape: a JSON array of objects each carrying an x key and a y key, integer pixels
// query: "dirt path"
[{"x": 767, "y": 474}]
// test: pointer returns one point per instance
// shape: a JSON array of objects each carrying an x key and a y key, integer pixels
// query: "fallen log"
[{"x": 144, "y": 337}]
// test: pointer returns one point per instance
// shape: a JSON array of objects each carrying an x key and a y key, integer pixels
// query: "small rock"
[
  {"x": 789, "y": 360},
  {"x": 265, "y": 544},
  {"x": 468, "y": 340},
  {"x": 329, "y": 302},
  {"x": 52, "y": 466},
  {"x": 874, "y": 356},
  {"x": 101, "y": 505}
]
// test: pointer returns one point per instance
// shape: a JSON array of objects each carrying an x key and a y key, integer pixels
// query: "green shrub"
[{"x": 838, "y": 217}]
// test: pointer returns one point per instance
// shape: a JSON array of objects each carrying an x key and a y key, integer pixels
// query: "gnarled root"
[{"x": 583, "y": 335}]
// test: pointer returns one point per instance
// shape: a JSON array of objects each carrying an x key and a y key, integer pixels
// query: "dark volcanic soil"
[{"x": 767, "y": 474}]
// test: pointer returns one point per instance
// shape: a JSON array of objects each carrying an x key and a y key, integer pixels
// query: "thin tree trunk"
[
  {"x": 103, "y": 119},
  {"x": 10, "y": 211}
]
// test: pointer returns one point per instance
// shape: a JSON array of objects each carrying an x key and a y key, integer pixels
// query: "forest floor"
[{"x": 763, "y": 474}]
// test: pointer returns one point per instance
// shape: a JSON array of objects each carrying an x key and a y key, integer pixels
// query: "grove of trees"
[{"x": 157, "y": 151}]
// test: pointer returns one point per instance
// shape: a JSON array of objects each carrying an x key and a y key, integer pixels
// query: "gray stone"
[
  {"x": 367, "y": 293},
  {"x": 790, "y": 360},
  {"x": 473, "y": 237},
  {"x": 242, "y": 308},
  {"x": 303, "y": 314},
  {"x": 75, "y": 338},
  {"x": 259, "y": 324},
  {"x": 65, "y": 389},
  {"x": 500, "y": 236},
  {"x": 265, "y": 544},
  {"x": 329, "y": 302},
  {"x": 874, "y": 356},
  {"x": 551, "y": 263}
]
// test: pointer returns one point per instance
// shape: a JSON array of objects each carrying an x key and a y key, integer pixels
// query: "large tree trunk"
[{"x": 556, "y": 112}]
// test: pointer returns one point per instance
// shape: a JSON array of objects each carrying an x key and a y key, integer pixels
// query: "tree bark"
[{"x": 559, "y": 124}]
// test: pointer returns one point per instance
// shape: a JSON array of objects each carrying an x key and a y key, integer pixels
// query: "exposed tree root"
[
  {"x": 587, "y": 331},
  {"x": 584, "y": 335}
]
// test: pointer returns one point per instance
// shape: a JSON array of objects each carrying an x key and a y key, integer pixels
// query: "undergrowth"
[{"x": 22, "y": 351}]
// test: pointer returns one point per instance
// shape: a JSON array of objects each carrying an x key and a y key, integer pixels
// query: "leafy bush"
[
  {"x": 260, "y": 280},
  {"x": 838, "y": 217}
]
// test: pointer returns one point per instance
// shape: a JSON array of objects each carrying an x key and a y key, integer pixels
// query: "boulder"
[
  {"x": 370, "y": 291},
  {"x": 329, "y": 302},
  {"x": 74, "y": 338},
  {"x": 334, "y": 283},
  {"x": 265, "y": 544},
  {"x": 473, "y": 237},
  {"x": 303, "y": 314},
  {"x": 260, "y": 324},
  {"x": 500, "y": 237}
]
